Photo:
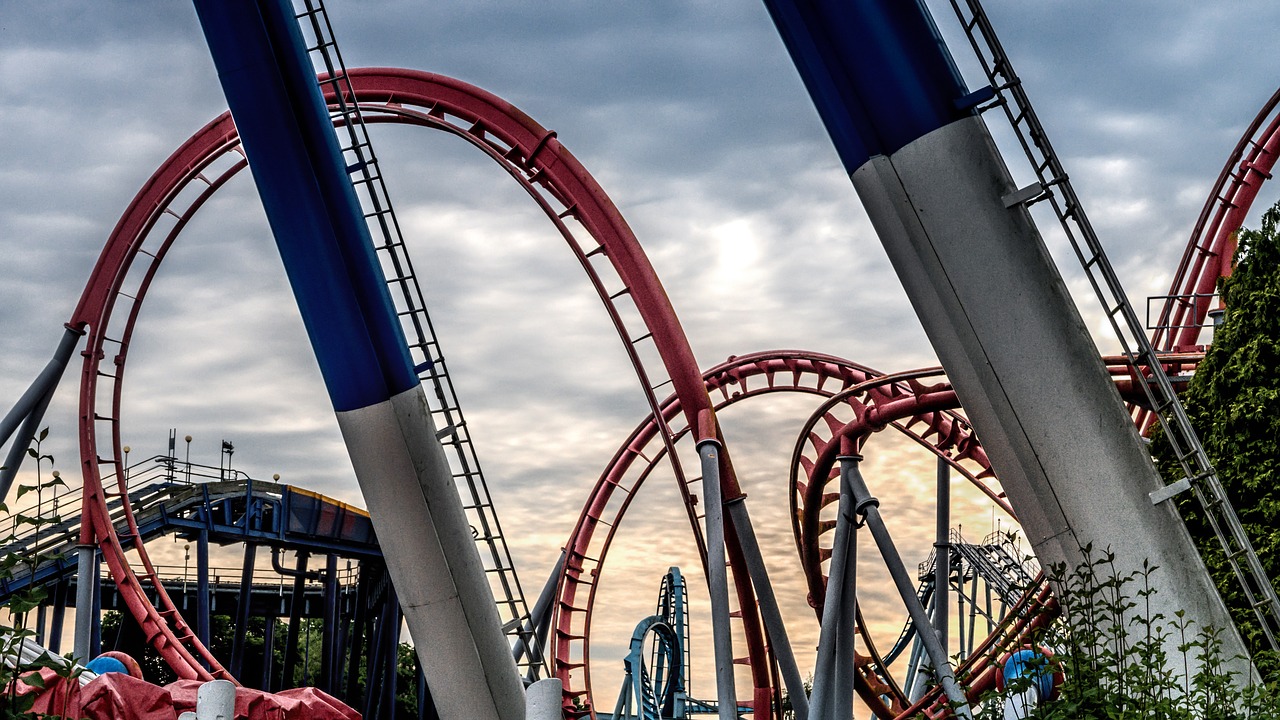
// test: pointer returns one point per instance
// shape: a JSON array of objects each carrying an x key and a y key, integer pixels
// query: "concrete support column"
[{"x": 1027, "y": 370}]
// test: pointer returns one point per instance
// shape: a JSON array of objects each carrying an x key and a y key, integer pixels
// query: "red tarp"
[{"x": 115, "y": 696}]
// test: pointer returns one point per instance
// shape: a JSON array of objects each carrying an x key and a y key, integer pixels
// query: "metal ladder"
[
  {"x": 429, "y": 363},
  {"x": 1053, "y": 185}
]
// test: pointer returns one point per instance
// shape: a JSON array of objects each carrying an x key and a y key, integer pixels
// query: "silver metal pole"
[
  {"x": 846, "y": 634},
  {"x": 942, "y": 553},
  {"x": 717, "y": 579},
  {"x": 533, "y": 635},
  {"x": 769, "y": 611},
  {"x": 916, "y": 681},
  {"x": 85, "y": 580},
  {"x": 823, "y": 703},
  {"x": 869, "y": 508},
  {"x": 30, "y": 408}
]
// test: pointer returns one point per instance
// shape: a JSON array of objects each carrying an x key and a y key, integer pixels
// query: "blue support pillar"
[
  {"x": 42, "y": 612},
  {"x": 425, "y": 708},
  {"x": 242, "y": 609},
  {"x": 202, "y": 586},
  {"x": 268, "y": 653},
  {"x": 59, "y": 615},
  {"x": 359, "y": 631},
  {"x": 392, "y": 650},
  {"x": 375, "y": 668},
  {"x": 295, "y": 620},
  {"x": 329, "y": 643}
]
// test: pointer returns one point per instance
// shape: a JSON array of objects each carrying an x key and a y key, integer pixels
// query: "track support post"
[
  {"x": 769, "y": 610},
  {"x": 833, "y": 670},
  {"x": 867, "y": 508},
  {"x": 86, "y": 579},
  {"x": 726, "y": 694},
  {"x": 942, "y": 553}
]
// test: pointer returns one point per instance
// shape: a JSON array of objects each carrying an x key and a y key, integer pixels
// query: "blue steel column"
[
  {"x": 340, "y": 289},
  {"x": 41, "y": 624},
  {"x": 359, "y": 631},
  {"x": 990, "y": 299},
  {"x": 328, "y": 645},
  {"x": 268, "y": 653},
  {"x": 297, "y": 601},
  {"x": 202, "y": 585},
  {"x": 242, "y": 609},
  {"x": 28, "y": 412},
  {"x": 59, "y": 613}
]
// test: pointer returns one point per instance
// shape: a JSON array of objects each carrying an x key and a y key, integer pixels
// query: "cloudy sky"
[{"x": 695, "y": 122}]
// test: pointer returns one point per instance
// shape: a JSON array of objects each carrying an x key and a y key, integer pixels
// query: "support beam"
[
  {"x": 942, "y": 554},
  {"x": 202, "y": 586},
  {"x": 545, "y": 699},
  {"x": 329, "y": 638},
  {"x": 391, "y": 654},
  {"x": 829, "y": 681},
  {"x": 846, "y": 635},
  {"x": 242, "y": 610},
  {"x": 868, "y": 508},
  {"x": 296, "y": 601},
  {"x": 717, "y": 579},
  {"x": 42, "y": 612},
  {"x": 95, "y": 624},
  {"x": 359, "y": 630},
  {"x": 60, "y": 592},
  {"x": 533, "y": 637},
  {"x": 268, "y": 653},
  {"x": 86, "y": 557},
  {"x": 991, "y": 301},
  {"x": 28, "y": 412},
  {"x": 770, "y": 612}
]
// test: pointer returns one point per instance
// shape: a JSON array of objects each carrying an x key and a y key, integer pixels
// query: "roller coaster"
[{"x": 359, "y": 597}]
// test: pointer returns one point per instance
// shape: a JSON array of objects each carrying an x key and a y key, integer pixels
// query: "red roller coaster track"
[
  {"x": 636, "y": 303},
  {"x": 575, "y": 203}
]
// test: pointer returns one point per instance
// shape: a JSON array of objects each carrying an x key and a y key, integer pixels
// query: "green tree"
[{"x": 1234, "y": 403}]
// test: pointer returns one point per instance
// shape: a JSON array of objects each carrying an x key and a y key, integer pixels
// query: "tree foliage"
[{"x": 1234, "y": 403}]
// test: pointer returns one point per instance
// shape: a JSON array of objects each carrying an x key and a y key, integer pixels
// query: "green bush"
[
  {"x": 1112, "y": 652},
  {"x": 19, "y": 605}
]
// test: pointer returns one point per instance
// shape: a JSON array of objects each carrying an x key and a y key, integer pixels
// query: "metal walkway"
[{"x": 173, "y": 497}]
